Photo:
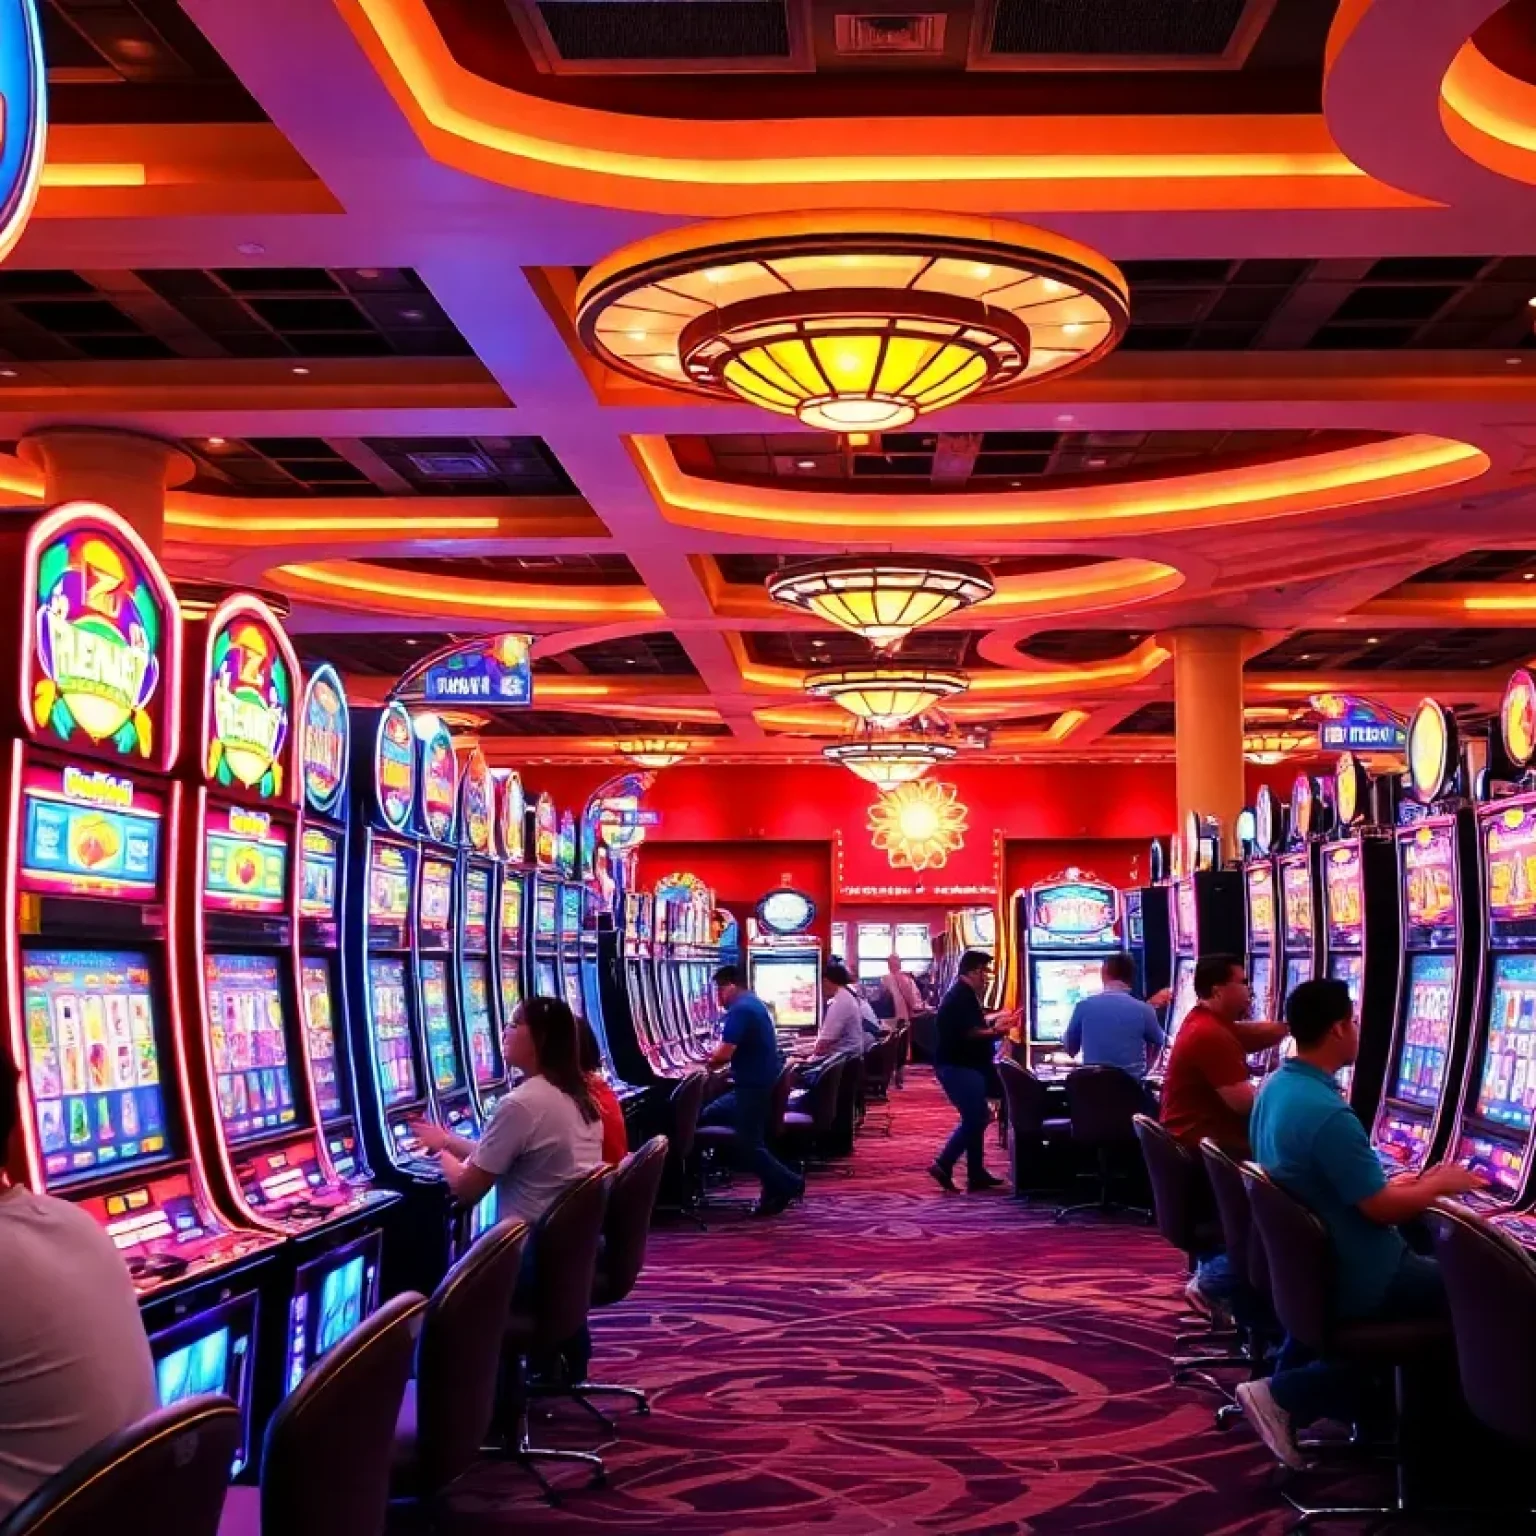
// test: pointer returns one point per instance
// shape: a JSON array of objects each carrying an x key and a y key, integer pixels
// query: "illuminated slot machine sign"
[
  {"x": 389, "y": 909},
  {"x": 87, "y": 832},
  {"x": 439, "y": 784},
  {"x": 1261, "y": 902},
  {"x": 245, "y": 861},
  {"x": 1184, "y": 915},
  {"x": 249, "y": 708},
  {"x": 1067, "y": 915},
  {"x": 477, "y": 1000},
  {"x": 1297, "y": 922}
]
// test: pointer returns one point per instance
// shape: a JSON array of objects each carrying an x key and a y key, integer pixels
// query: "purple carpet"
[{"x": 890, "y": 1358}]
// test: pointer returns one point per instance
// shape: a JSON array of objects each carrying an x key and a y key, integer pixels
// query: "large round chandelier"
[
  {"x": 886, "y": 696},
  {"x": 851, "y": 321},
  {"x": 881, "y": 597},
  {"x": 1268, "y": 747},
  {"x": 886, "y": 761},
  {"x": 654, "y": 751}
]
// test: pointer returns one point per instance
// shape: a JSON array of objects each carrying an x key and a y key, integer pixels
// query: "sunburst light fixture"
[
  {"x": 881, "y": 597},
  {"x": 888, "y": 760},
  {"x": 851, "y": 321},
  {"x": 886, "y": 696},
  {"x": 654, "y": 751},
  {"x": 918, "y": 825}
]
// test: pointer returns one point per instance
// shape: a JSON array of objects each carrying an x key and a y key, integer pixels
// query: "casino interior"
[{"x": 420, "y": 611}]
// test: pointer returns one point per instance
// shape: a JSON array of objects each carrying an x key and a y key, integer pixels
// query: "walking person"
[
  {"x": 962, "y": 1063},
  {"x": 907, "y": 1001}
]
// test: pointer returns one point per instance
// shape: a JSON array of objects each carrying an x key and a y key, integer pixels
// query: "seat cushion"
[
  {"x": 715, "y": 1135},
  {"x": 1389, "y": 1343},
  {"x": 403, "y": 1467},
  {"x": 1056, "y": 1130},
  {"x": 242, "y": 1513},
  {"x": 794, "y": 1119}
]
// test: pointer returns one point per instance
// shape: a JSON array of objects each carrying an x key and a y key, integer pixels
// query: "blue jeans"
[
  {"x": 966, "y": 1089},
  {"x": 1309, "y": 1390},
  {"x": 745, "y": 1109}
]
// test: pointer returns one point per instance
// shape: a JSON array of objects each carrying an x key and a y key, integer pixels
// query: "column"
[
  {"x": 124, "y": 470},
  {"x": 1208, "y": 724}
]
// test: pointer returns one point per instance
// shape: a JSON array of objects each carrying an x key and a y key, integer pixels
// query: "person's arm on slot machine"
[
  {"x": 1072, "y": 1041},
  {"x": 435, "y": 1139},
  {"x": 731, "y": 1033},
  {"x": 1397, "y": 1200},
  {"x": 1258, "y": 1034},
  {"x": 1153, "y": 1035},
  {"x": 471, "y": 1177}
]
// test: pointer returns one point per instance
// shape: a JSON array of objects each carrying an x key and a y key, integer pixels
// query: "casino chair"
[
  {"x": 681, "y": 1190},
  {"x": 1032, "y": 1134},
  {"x": 845, "y": 1123},
  {"x": 549, "y": 1309},
  {"x": 325, "y": 1462},
  {"x": 806, "y": 1138},
  {"x": 1103, "y": 1104},
  {"x": 1490, "y": 1281},
  {"x": 166, "y": 1475},
  {"x": 879, "y": 1071},
  {"x": 1301, "y": 1275},
  {"x": 448, "y": 1408},
  {"x": 716, "y": 1144}
]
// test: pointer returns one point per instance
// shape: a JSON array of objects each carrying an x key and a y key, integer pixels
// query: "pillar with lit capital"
[
  {"x": 1208, "y": 723},
  {"x": 126, "y": 471}
]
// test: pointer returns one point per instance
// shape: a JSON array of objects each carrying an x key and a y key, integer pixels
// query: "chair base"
[
  {"x": 528, "y": 1456},
  {"x": 1103, "y": 1208}
]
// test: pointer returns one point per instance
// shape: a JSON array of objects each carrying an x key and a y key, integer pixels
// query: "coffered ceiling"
[{"x": 331, "y": 249}]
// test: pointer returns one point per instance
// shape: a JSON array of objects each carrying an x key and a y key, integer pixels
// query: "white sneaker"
[
  {"x": 1271, "y": 1423},
  {"x": 1213, "y": 1311}
]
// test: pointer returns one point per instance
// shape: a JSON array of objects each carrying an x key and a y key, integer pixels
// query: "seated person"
[
  {"x": 842, "y": 1017},
  {"x": 1115, "y": 1028},
  {"x": 75, "y": 1366},
  {"x": 1207, "y": 1092},
  {"x": 1308, "y": 1139},
  {"x": 615, "y": 1132},
  {"x": 543, "y": 1136}
]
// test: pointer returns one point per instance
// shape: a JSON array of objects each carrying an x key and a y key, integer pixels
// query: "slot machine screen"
[
  {"x": 1183, "y": 994},
  {"x": 1298, "y": 968},
  {"x": 1261, "y": 976},
  {"x": 572, "y": 980},
  {"x": 331, "y": 1296},
  {"x": 544, "y": 977},
  {"x": 442, "y": 1048},
  {"x": 789, "y": 988},
  {"x": 477, "y": 907},
  {"x": 545, "y": 920},
  {"x": 326, "y": 1067},
  {"x": 211, "y": 1352},
  {"x": 1507, "y": 1093},
  {"x": 318, "y": 879},
  {"x": 511, "y": 987},
  {"x": 1348, "y": 969},
  {"x": 249, "y": 1044},
  {"x": 392, "y": 1030},
  {"x": 477, "y": 1022},
  {"x": 245, "y": 861},
  {"x": 914, "y": 946},
  {"x": 389, "y": 885},
  {"x": 93, "y": 1062},
  {"x": 1059, "y": 986},
  {"x": 436, "y": 899},
  {"x": 1426, "y": 1030}
]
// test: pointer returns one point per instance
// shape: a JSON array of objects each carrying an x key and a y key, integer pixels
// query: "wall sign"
[
  {"x": 475, "y": 803},
  {"x": 786, "y": 912},
  {"x": 439, "y": 783},
  {"x": 249, "y": 707},
  {"x": 324, "y": 731},
  {"x": 23, "y": 114},
  {"x": 495, "y": 669},
  {"x": 1074, "y": 908},
  {"x": 1347, "y": 723},
  {"x": 1432, "y": 749},
  {"x": 918, "y": 825},
  {"x": 106, "y": 642},
  {"x": 394, "y": 766},
  {"x": 1517, "y": 718}
]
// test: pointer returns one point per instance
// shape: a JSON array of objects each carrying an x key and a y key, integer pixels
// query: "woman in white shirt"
[
  {"x": 842, "y": 1021},
  {"x": 543, "y": 1136}
]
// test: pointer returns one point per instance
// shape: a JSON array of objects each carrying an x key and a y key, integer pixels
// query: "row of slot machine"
[
  {"x": 256, "y": 938},
  {"x": 1418, "y": 892}
]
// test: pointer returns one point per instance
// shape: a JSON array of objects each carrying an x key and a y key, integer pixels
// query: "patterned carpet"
[{"x": 888, "y": 1358}]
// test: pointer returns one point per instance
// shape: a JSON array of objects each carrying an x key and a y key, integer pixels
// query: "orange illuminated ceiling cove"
[
  {"x": 1351, "y": 477},
  {"x": 627, "y": 161},
  {"x": 1490, "y": 115}
]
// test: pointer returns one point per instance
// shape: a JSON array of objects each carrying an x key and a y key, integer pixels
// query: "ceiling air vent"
[
  {"x": 661, "y": 36},
  {"x": 1119, "y": 34},
  {"x": 451, "y": 466},
  {"x": 880, "y": 36}
]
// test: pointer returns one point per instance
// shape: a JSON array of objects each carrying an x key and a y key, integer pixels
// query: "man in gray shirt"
[
  {"x": 75, "y": 1366},
  {"x": 1115, "y": 1028}
]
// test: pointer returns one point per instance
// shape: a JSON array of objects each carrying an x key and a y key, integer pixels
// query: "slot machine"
[
  {"x": 394, "y": 1088},
  {"x": 1068, "y": 925},
  {"x": 1361, "y": 945},
  {"x": 237, "y": 902},
  {"x": 476, "y": 889},
  {"x": 1440, "y": 903},
  {"x": 543, "y": 909},
  {"x": 572, "y": 915},
  {"x": 1496, "y": 1112},
  {"x": 1148, "y": 936},
  {"x": 511, "y": 894},
  {"x": 596, "y": 953},
  {"x": 1297, "y": 869},
  {"x": 1259, "y": 905},
  {"x": 652, "y": 1058},
  {"x": 93, "y": 858},
  {"x": 784, "y": 959},
  {"x": 1205, "y": 916}
]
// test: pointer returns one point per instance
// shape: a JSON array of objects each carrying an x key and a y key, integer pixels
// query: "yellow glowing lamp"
[
  {"x": 919, "y": 824},
  {"x": 888, "y": 696},
  {"x": 886, "y": 761},
  {"x": 654, "y": 751}
]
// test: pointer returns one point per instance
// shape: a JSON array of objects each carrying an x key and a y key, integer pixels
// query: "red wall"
[{"x": 741, "y": 873}]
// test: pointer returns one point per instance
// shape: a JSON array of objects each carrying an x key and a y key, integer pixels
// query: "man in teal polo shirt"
[{"x": 1308, "y": 1139}]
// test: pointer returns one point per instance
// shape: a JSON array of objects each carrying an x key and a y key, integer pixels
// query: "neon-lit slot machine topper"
[
  {"x": 248, "y": 710},
  {"x": 324, "y": 735},
  {"x": 546, "y": 833},
  {"x": 511, "y": 816},
  {"x": 24, "y": 113}
]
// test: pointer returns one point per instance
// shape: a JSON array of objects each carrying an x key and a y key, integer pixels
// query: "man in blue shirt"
[
  {"x": 749, "y": 1045},
  {"x": 1115, "y": 1028},
  {"x": 1308, "y": 1139}
]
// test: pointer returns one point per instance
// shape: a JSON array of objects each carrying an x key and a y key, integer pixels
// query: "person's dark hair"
[
  {"x": 1120, "y": 967},
  {"x": 729, "y": 976},
  {"x": 587, "y": 1047},
  {"x": 837, "y": 973},
  {"x": 1314, "y": 1008},
  {"x": 10, "y": 1110},
  {"x": 974, "y": 960},
  {"x": 1212, "y": 971},
  {"x": 553, "y": 1026}
]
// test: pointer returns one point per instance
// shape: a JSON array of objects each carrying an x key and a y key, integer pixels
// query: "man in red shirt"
[{"x": 1207, "y": 1092}]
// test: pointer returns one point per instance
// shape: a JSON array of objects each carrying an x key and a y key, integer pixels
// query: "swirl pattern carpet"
[{"x": 890, "y": 1358}]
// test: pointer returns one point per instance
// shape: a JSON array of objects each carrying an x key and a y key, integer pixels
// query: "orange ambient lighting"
[
  {"x": 1490, "y": 115},
  {"x": 77, "y": 175}
]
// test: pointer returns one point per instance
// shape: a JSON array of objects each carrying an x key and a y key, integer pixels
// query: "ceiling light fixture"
[
  {"x": 852, "y": 322},
  {"x": 886, "y": 761},
  {"x": 654, "y": 751},
  {"x": 881, "y": 597},
  {"x": 1270, "y": 747},
  {"x": 885, "y": 697}
]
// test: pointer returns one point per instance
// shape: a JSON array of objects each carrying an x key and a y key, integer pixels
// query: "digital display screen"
[
  {"x": 318, "y": 881},
  {"x": 442, "y": 1048},
  {"x": 874, "y": 940},
  {"x": 978, "y": 928},
  {"x": 1348, "y": 969},
  {"x": 790, "y": 988},
  {"x": 572, "y": 979},
  {"x": 1429, "y": 878},
  {"x": 1426, "y": 1030},
  {"x": 1183, "y": 994},
  {"x": 1059, "y": 985},
  {"x": 511, "y": 911},
  {"x": 1343, "y": 899},
  {"x": 392, "y": 1030},
  {"x": 1501, "y": 1164},
  {"x": 245, "y": 860},
  {"x": 331, "y": 1296},
  {"x": 325, "y": 1066},
  {"x": 511, "y": 986},
  {"x": 477, "y": 1022},
  {"x": 1184, "y": 913},
  {"x": 1296, "y": 903},
  {"x": 545, "y": 919},
  {"x": 211, "y": 1352},
  {"x": 249, "y": 1044},
  {"x": 1510, "y": 840},
  {"x": 389, "y": 884},
  {"x": 1507, "y": 1092},
  {"x": 89, "y": 833},
  {"x": 1261, "y": 904},
  {"x": 544, "y": 979},
  {"x": 93, "y": 1061},
  {"x": 913, "y": 943},
  {"x": 436, "y": 898},
  {"x": 477, "y": 907},
  {"x": 1298, "y": 968},
  {"x": 1261, "y": 975},
  {"x": 570, "y": 908}
]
